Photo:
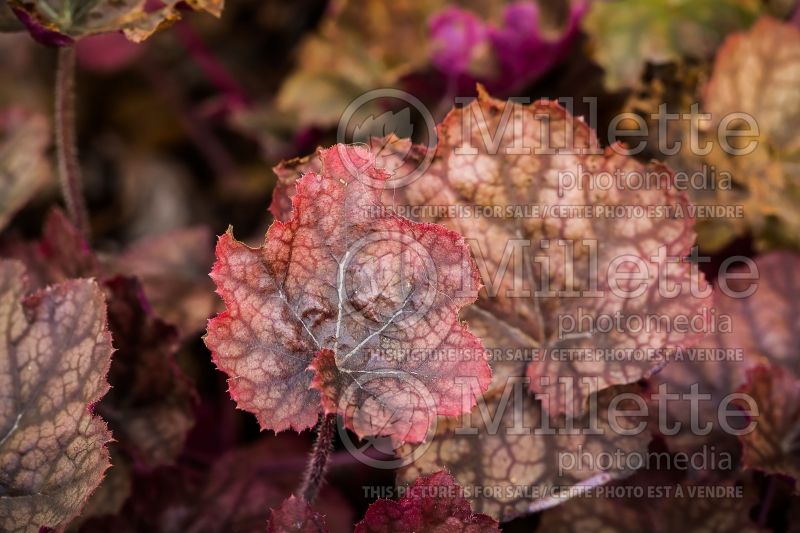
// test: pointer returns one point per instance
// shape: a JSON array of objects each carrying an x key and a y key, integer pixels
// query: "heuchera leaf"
[
  {"x": 55, "y": 354},
  {"x": 359, "y": 46},
  {"x": 626, "y": 34},
  {"x": 61, "y": 253},
  {"x": 113, "y": 492},
  {"x": 59, "y": 22},
  {"x": 523, "y": 332},
  {"x": 295, "y": 515},
  {"x": 768, "y": 93},
  {"x": 774, "y": 444},
  {"x": 513, "y": 458},
  {"x": 496, "y": 176},
  {"x": 367, "y": 300},
  {"x": 762, "y": 332},
  {"x": 433, "y": 503},
  {"x": 755, "y": 75},
  {"x": 150, "y": 408},
  {"x": 24, "y": 138}
]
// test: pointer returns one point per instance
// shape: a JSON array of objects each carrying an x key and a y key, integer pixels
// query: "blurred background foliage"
[{"x": 181, "y": 131}]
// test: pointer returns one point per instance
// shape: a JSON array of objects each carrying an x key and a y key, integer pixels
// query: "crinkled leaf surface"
[
  {"x": 55, "y": 354},
  {"x": 627, "y": 34},
  {"x": 433, "y": 503},
  {"x": 24, "y": 138},
  {"x": 150, "y": 407},
  {"x": 369, "y": 300},
  {"x": 295, "y": 515},
  {"x": 480, "y": 163},
  {"x": 73, "y": 19},
  {"x": 513, "y": 459}
]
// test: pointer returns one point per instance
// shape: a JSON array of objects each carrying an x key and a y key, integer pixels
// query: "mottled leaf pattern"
[
  {"x": 55, "y": 354},
  {"x": 505, "y": 178},
  {"x": 515, "y": 460},
  {"x": 150, "y": 406},
  {"x": 370, "y": 300}
]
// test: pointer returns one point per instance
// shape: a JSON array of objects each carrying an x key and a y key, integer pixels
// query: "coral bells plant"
[{"x": 461, "y": 312}]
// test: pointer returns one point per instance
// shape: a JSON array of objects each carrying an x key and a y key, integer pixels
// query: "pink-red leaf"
[
  {"x": 368, "y": 300},
  {"x": 54, "y": 356},
  {"x": 533, "y": 164}
]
